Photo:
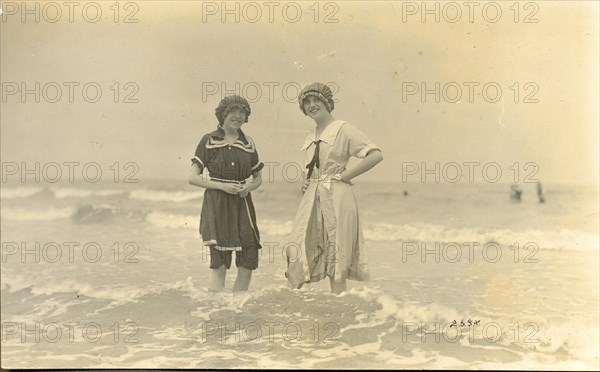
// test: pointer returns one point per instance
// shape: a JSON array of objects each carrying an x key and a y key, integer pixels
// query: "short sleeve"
[
  {"x": 255, "y": 163},
  {"x": 201, "y": 154},
  {"x": 359, "y": 145}
]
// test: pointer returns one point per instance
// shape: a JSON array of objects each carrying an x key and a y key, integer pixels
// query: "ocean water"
[{"x": 105, "y": 275}]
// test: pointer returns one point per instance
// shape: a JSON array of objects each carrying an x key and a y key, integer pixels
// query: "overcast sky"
[{"x": 180, "y": 56}]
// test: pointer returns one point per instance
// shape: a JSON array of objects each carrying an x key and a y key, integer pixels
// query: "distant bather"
[{"x": 515, "y": 193}]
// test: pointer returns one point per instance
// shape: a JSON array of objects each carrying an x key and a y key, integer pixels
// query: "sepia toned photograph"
[{"x": 225, "y": 185}]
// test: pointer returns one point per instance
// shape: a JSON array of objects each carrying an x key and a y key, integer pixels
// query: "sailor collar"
[
  {"x": 217, "y": 140},
  {"x": 328, "y": 135}
]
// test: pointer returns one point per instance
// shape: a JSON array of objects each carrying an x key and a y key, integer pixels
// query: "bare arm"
[
  {"x": 256, "y": 181},
  {"x": 373, "y": 158},
  {"x": 197, "y": 179},
  {"x": 252, "y": 185}
]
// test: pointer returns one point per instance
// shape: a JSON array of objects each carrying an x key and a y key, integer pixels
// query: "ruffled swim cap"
[
  {"x": 320, "y": 91},
  {"x": 229, "y": 103}
]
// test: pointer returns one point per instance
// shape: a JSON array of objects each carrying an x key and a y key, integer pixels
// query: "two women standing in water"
[{"x": 326, "y": 238}]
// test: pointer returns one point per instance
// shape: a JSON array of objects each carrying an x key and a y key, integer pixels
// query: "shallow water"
[{"x": 119, "y": 279}]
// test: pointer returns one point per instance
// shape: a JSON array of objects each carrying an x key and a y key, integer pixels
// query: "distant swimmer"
[
  {"x": 540, "y": 193},
  {"x": 515, "y": 193}
]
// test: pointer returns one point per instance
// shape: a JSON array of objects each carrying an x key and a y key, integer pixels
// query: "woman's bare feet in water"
[{"x": 337, "y": 287}]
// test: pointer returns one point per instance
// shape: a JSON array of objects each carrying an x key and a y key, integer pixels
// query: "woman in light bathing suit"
[{"x": 327, "y": 237}]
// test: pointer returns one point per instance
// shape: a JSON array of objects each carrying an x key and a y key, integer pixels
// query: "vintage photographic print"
[{"x": 299, "y": 185}]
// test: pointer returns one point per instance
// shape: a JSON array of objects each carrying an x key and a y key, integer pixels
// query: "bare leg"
[
  {"x": 337, "y": 287},
  {"x": 217, "y": 279},
  {"x": 242, "y": 282}
]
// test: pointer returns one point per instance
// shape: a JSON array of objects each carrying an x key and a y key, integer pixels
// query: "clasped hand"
[{"x": 235, "y": 188}]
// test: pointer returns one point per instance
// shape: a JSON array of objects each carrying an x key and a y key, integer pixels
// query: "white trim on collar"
[{"x": 214, "y": 143}]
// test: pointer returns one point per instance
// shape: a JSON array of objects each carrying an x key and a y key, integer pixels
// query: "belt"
[{"x": 228, "y": 181}]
